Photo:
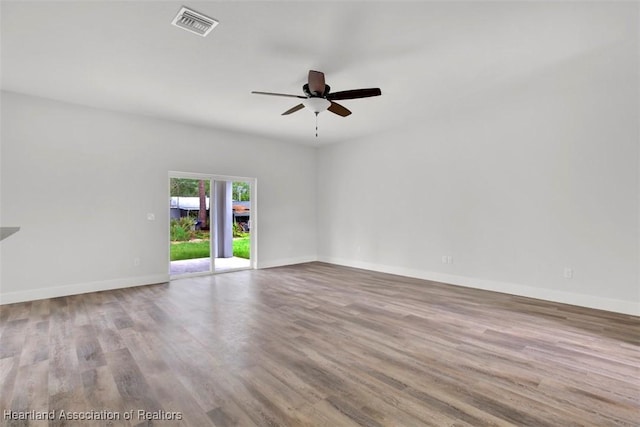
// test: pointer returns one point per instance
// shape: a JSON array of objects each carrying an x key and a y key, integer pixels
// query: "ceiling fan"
[{"x": 318, "y": 98}]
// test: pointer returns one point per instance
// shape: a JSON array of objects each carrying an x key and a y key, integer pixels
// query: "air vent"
[{"x": 194, "y": 22}]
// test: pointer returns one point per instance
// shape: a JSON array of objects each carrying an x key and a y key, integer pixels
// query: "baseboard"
[
  {"x": 286, "y": 261},
  {"x": 608, "y": 304},
  {"x": 80, "y": 288},
  {"x": 590, "y": 301}
]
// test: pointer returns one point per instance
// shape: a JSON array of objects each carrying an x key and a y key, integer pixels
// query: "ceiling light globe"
[{"x": 317, "y": 105}]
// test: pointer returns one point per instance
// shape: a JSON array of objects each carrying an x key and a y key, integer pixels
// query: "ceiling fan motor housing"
[{"x": 307, "y": 91}]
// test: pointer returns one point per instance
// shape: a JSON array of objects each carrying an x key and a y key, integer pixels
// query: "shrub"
[
  {"x": 238, "y": 231},
  {"x": 178, "y": 234},
  {"x": 182, "y": 229}
]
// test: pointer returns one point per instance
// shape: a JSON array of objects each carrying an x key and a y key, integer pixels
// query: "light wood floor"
[{"x": 318, "y": 345}]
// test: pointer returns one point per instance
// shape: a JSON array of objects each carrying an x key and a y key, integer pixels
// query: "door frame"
[{"x": 253, "y": 184}]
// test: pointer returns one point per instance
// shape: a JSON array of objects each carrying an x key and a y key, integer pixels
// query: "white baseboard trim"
[
  {"x": 286, "y": 261},
  {"x": 80, "y": 288},
  {"x": 590, "y": 301}
]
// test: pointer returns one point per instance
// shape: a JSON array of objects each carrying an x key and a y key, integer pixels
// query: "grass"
[
  {"x": 189, "y": 250},
  {"x": 200, "y": 249},
  {"x": 242, "y": 247}
]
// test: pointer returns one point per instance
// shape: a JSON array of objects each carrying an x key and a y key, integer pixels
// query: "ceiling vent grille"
[{"x": 194, "y": 22}]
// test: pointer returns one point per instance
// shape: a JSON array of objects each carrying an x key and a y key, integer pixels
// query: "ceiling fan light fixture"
[{"x": 317, "y": 105}]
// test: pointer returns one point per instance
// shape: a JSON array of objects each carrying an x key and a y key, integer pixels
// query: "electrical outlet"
[
  {"x": 136, "y": 262},
  {"x": 568, "y": 273},
  {"x": 445, "y": 259},
  {"x": 449, "y": 260}
]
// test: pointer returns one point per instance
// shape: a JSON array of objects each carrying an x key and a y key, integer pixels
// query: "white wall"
[
  {"x": 80, "y": 182},
  {"x": 515, "y": 184},
  {"x": 515, "y": 180}
]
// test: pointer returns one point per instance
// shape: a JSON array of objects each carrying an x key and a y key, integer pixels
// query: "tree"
[
  {"x": 241, "y": 191},
  {"x": 186, "y": 187},
  {"x": 182, "y": 187}
]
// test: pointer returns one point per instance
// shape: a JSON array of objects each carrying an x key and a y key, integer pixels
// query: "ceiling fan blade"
[
  {"x": 338, "y": 109},
  {"x": 316, "y": 82},
  {"x": 293, "y": 109},
  {"x": 354, "y": 94},
  {"x": 279, "y": 94}
]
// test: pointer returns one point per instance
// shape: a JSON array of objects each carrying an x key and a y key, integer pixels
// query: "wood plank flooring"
[{"x": 317, "y": 345}]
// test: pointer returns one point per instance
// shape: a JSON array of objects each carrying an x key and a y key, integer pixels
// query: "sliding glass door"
[{"x": 212, "y": 224}]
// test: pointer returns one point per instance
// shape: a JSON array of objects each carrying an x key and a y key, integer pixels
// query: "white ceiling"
[{"x": 425, "y": 56}]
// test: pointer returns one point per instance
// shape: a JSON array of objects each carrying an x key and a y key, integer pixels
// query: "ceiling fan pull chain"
[{"x": 316, "y": 124}]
